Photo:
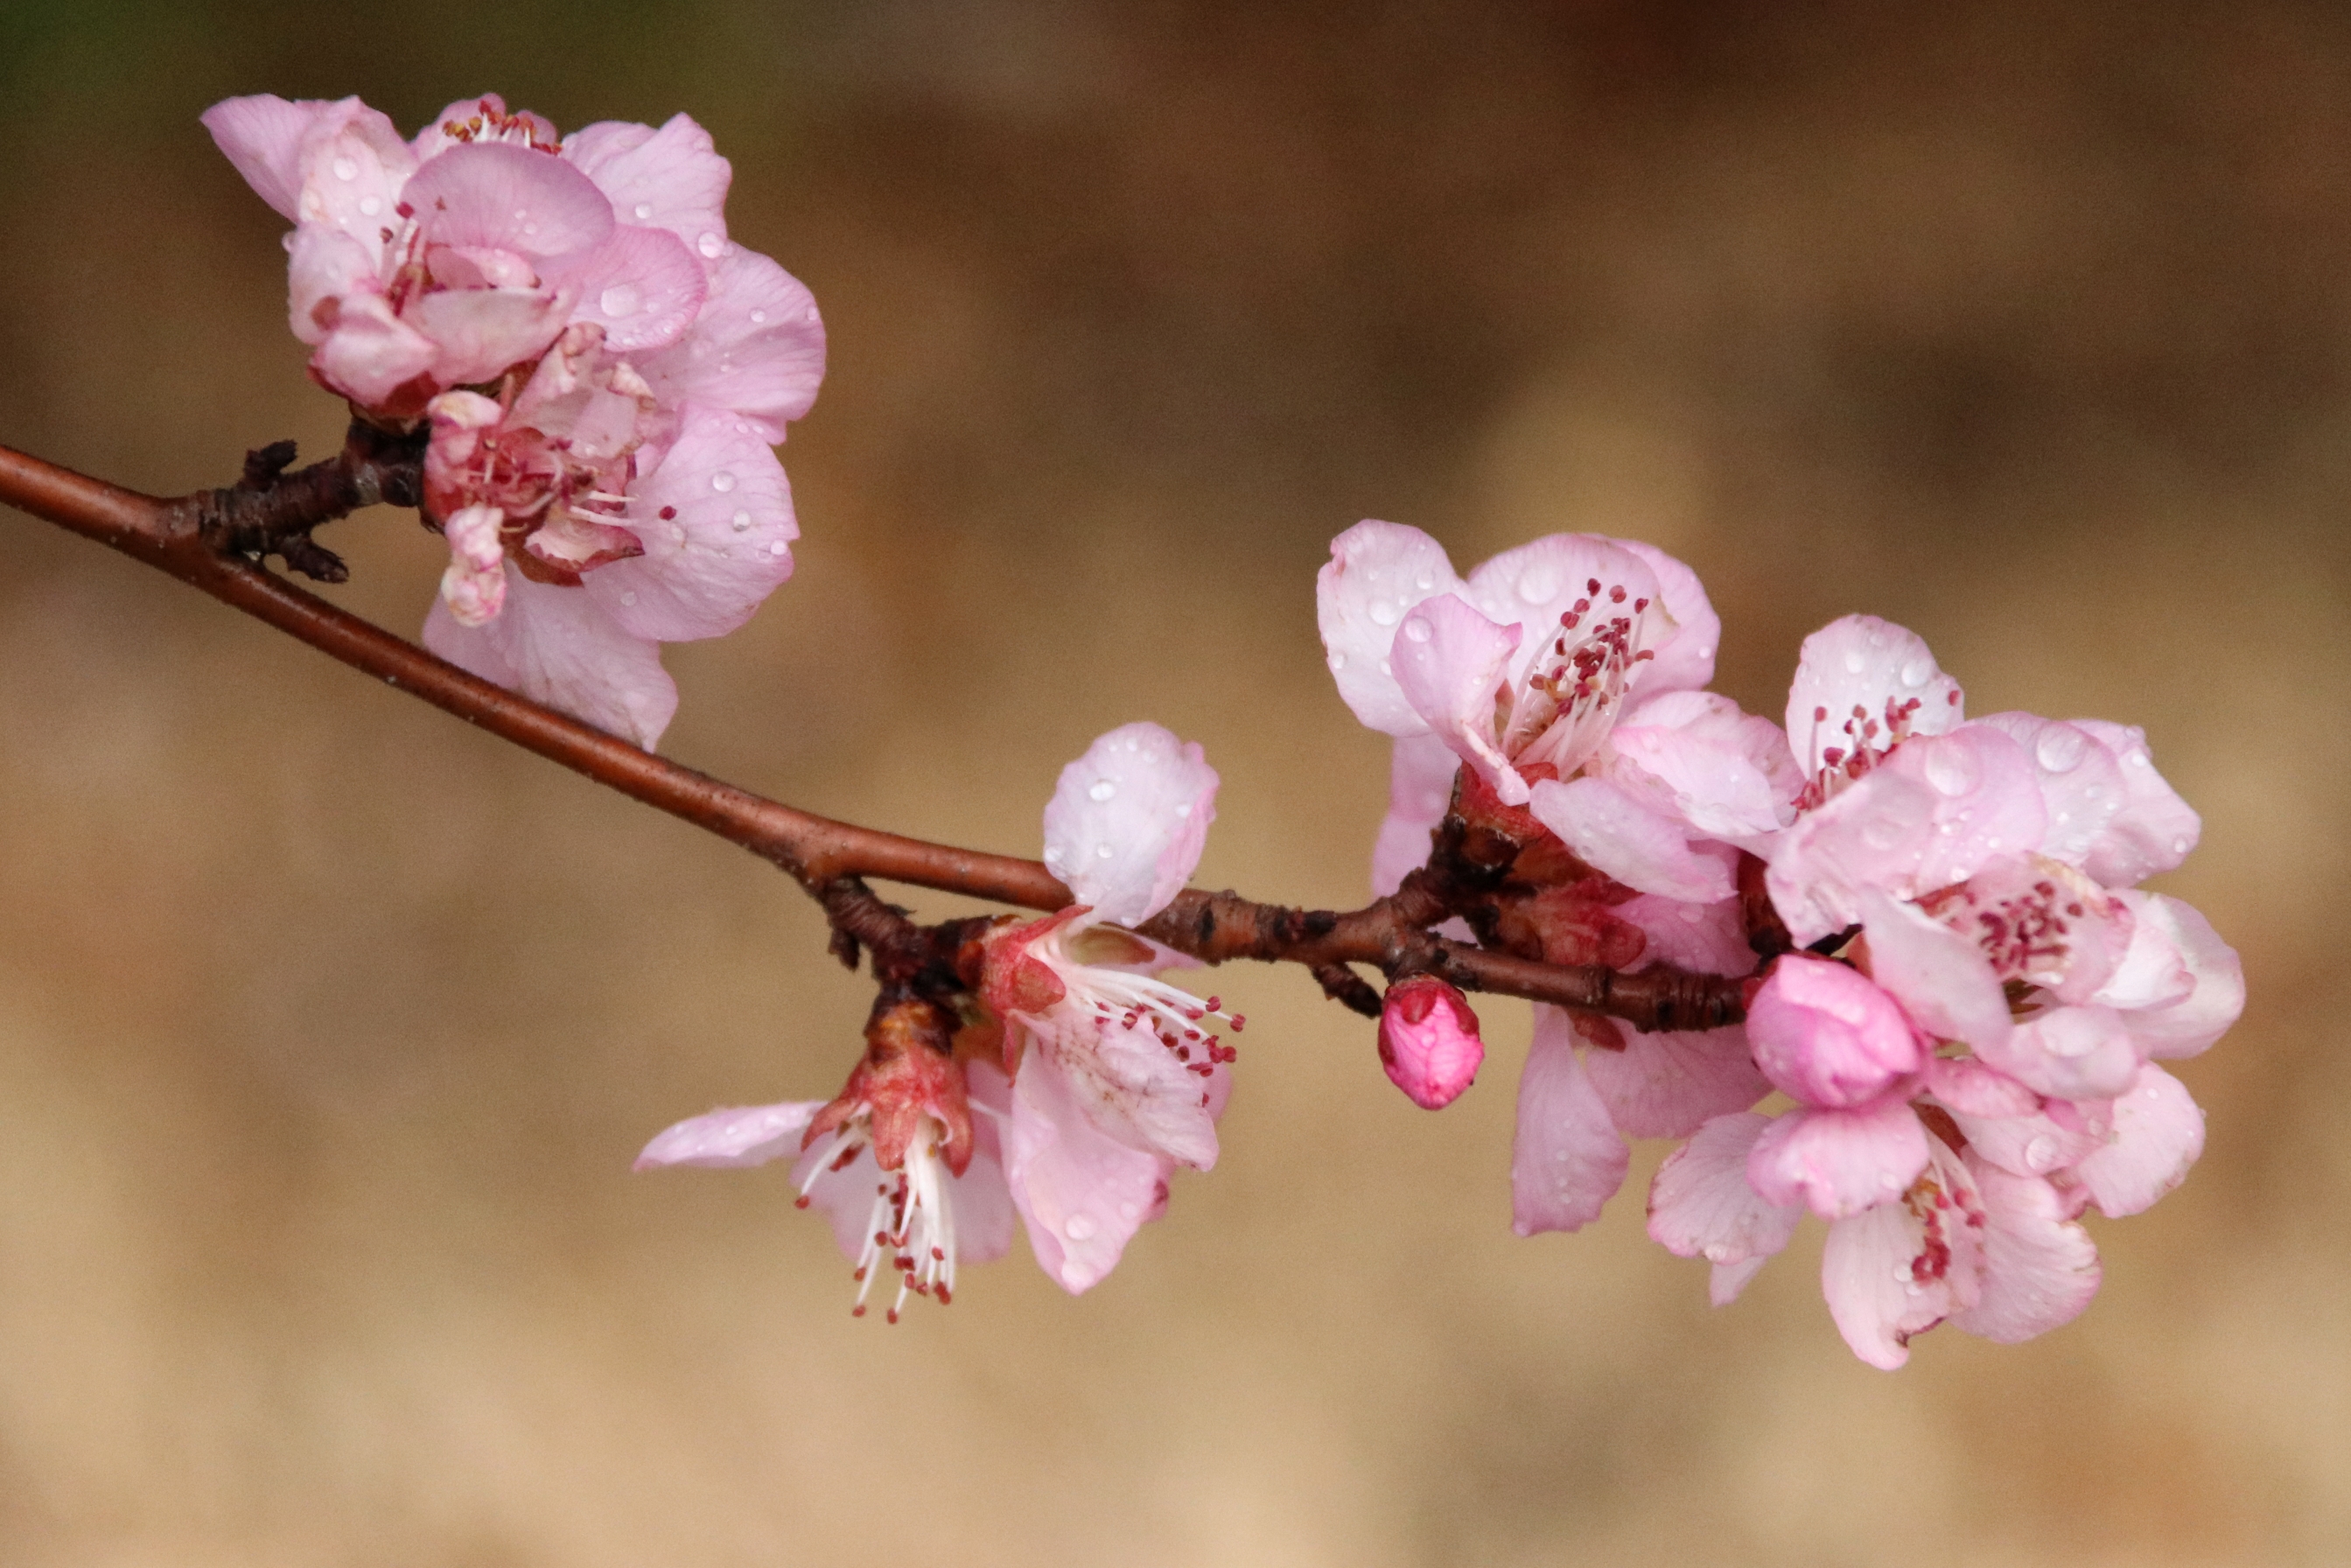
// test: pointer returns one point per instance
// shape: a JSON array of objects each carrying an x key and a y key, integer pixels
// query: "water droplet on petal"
[
  {"x": 1184, "y": 808},
  {"x": 2041, "y": 1153},
  {"x": 644, "y": 210},
  {"x": 346, "y": 170},
  {"x": 1078, "y": 1226},
  {"x": 710, "y": 244},
  {"x": 722, "y": 481},
  {"x": 779, "y": 548},
  {"x": 2179, "y": 845},
  {"x": 740, "y": 522},
  {"x": 370, "y": 205},
  {"x": 1424, "y": 582},
  {"x": 1338, "y": 661},
  {"x": 1103, "y": 852},
  {"x": 1418, "y": 630},
  {"x": 621, "y": 300},
  {"x": 1128, "y": 1209},
  {"x": 1385, "y": 668},
  {"x": 1384, "y": 613},
  {"x": 1917, "y": 672},
  {"x": 629, "y": 597},
  {"x": 1853, "y": 660},
  {"x": 1103, "y": 790},
  {"x": 757, "y": 316},
  {"x": 2061, "y": 747},
  {"x": 1537, "y": 586},
  {"x": 1952, "y": 770}
]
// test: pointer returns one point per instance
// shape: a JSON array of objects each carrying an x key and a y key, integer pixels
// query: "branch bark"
[{"x": 213, "y": 541}]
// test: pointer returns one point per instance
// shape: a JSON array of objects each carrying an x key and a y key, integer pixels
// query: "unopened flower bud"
[
  {"x": 1428, "y": 1040},
  {"x": 1827, "y": 1035}
]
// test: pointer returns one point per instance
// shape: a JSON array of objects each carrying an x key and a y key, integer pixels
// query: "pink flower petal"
[
  {"x": 1420, "y": 789},
  {"x": 354, "y": 168},
  {"x": 1839, "y": 1162},
  {"x": 368, "y": 353},
  {"x": 671, "y": 179},
  {"x": 1644, "y": 848},
  {"x": 2082, "y": 782},
  {"x": 1133, "y": 1090},
  {"x": 1668, "y": 1083},
  {"x": 262, "y": 136},
  {"x": 1429, "y": 1038},
  {"x": 1377, "y": 574},
  {"x": 1684, "y": 658},
  {"x": 1538, "y": 582},
  {"x": 734, "y": 1136},
  {"x": 2072, "y": 1053},
  {"x": 2153, "y": 972},
  {"x": 1896, "y": 1270},
  {"x": 642, "y": 286},
  {"x": 1566, "y": 1160},
  {"x": 1975, "y": 1088},
  {"x": 2159, "y": 1133},
  {"x": 2039, "y": 1269},
  {"x": 2033, "y": 1141},
  {"x": 2155, "y": 830},
  {"x": 1449, "y": 659},
  {"x": 984, "y": 1208},
  {"x": 1128, "y": 820},
  {"x": 1701, "y": 1207},
  {"x": 499, "y": 196},
  {"x": 1827, "y": 1035},
  {"x": 553, "y": 646},
  {"x": 1082, "y": 1194},
  {"x": 326, "y": 266},
  {"x": 1707, "y": 938},
  {"x": 476, "y": 333},
  {"x": 756, "y": 349},
  {"x": 1941, "y": 978},
  {"x": 1861, "y": 662},
  {"x": 2190, "y": 1026},
  {"x": 1728, "y": 774},
  {"x": 716, "y": 522}
]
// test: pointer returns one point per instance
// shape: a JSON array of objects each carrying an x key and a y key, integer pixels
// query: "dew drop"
[
  {"x": 1418, "y": 630},
  {"x": 1424, "y": 582},
  {"x": 621, "y": 300},
  {"x": 722, "y": 481},
  {"x": 644, "y": 210},
  {"x": 2061, "y": 749},
  {"x": 2041, "y": 1153},
  {"x": 1853, "y": 660},
  {"x": 1917, "y": 672},
  {"x": 1103, "y": 790},
  {"x": 2179, "y": 845},
  {"x": 1384, "y": 613},
  {"x": 1338, "y": 661},
  {"x": 370, "y": 205},
  {"x": 346, "y": 170},
  {"x": 710, "y": 244},
  {"x": 1952, "y": 770},
  {"x": 629, "y": 597},
  {"x": 1103, "y": 852},
  {"x": 1385, "y": 668},
  {"x": 1128, "y": 1209},
  {"x": 1536, "y": 587},
  {"x": 779, "y": 548},
  {"x": 757, "y": 316},
  {"x": 1078, "y": 1226},
  {"x": 741, "y": 522},
  {"x": 1184, "y": 808}
]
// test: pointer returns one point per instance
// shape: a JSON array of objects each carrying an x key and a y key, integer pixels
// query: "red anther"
[
  {"x": 1569, "y": 620},
  {"x": 800, "y": 1202},
  {"x": 668, "y": 513},
  {"x": 1215, "y": 1003},
  {"x": 1639, "y": 605},
  {"x": 1582, "y": 605},
  {"x": 938, "y": 1255},
  {"x": 945, "y": 1294},
  {"x": 893, "y": 1314},
  {"x": 1617, "y": 594},
  {"x": 1592, "y": 586},
  {"x": 858, "y": 1274},
  {"x": 1183, "y": 1053},
  {"x": 858, "y": 1310},
  {"x": 1238, "y": 1021}
]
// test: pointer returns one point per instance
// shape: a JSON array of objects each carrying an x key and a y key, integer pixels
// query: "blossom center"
[
  {"x": 1576, "y": 687},
  {"x": 910, "y": 1224}
]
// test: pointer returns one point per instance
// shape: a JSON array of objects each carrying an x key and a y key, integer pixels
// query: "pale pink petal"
[
  {"x": 1082, "y": 1194},
  {"x": 1645, "y": 848},
  {"x": 984, "y": 1209},
  {"x": 1449, "y": 661},
  {"x": 1975, "y": 1088},
  {"x": 368, "y": 353},
  {"x": 553, "y": 646},
  {"x": 1684, "y": 658},
  {"x": 756, "y": 349},
  {"x": 1827, "y": 1035},
  {"x": 2155, "y": 830},
  {"x": 1728, "y": 774},
  {"x": 1701, "y": 1207},
  {"x": 1706, "y": 938},
  {"x": 1888, "y": 1273},
  {"x": 354, "y": 167},
  {"x": 2081, "y": 781},
  {"x": 1566, "y": 1160},
  {"x": 1420, "y": 789},
  {"x": 737, "y": 1136},
  {"x": 2159, "y": 1133},
  {"x": 326, "y": 266},
  {"x": 2039, "y": 1269},
  {"x": 1668, "y": 1083},
  {"x": 1376, "y": 573},
  {"x": 2072, "y": 1054},
  {"x": 671, "y": 179},
  {"x": 1941, "y": 978},
  {"x": 478, "y": 333},
  {"x": 716, "y": 522},
  {"x": 1134, "y": 1090},
  {"x": 642, "y": 286},
  {"x": 2153, "y": 972},
  {"x": 2034, "y": 1142},
  {"x": 1861, "y": 662},
  {"x": 474, "y": 585},
  {"x": 1725, "y": 1281},
  {"x": 1128, "y": 820},
  {"x": 1930, "y": 815},
  {"x": 498, "y": 196},
  {"x": 262, "y": 136},
  {"x": 2191, "y": 1024},
  {"x": 1839, "y": 1162}
]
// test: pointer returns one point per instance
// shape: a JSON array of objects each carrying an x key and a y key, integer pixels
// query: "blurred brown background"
[{"x": 329, "y": 1026}]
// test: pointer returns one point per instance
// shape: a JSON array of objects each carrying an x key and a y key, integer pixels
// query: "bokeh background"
[{"x": 329, "y": 1026}]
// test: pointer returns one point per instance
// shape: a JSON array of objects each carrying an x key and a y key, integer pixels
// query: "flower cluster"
[
  {"x": 603, "y": 372},
  {"x": 1069, "y": 1087},
  {"x": 1956, "y": 982}
]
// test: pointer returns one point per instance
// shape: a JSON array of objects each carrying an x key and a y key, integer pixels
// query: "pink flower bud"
[
  {"x": 1827, "y": 1035},
  {"x": 1428, "y": 1040}
]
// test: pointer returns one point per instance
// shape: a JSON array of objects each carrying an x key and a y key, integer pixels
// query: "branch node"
[{"x": 1346, "y": 988}]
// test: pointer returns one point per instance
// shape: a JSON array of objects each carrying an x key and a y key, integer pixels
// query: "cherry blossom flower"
[
  {"x": 1116, "y": 1078},
  {"x": 604, "y": 373},
  {"x": 909, "y": 1178}
]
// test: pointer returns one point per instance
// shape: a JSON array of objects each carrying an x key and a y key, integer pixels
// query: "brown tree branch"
[{"x": 204, "y": 540}]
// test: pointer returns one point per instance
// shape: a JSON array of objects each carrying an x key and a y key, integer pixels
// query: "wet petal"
[
  {"x": 1377, "y": 574},
  {"x": 496, "y": 196},
  {"x": 671, "y": 179},
  {"x": 1861, "y": 662},
  {"x": 262, "y": 136},
  {"x": 1128, "y": 820},
  {"x": 1839, "y": 1162},
  {"x": 642, "y": 286},
  {"x": 2155, "y": 830},
  {"x": 1566, "y": 1160},
  {"x": 2040, "y": 1268},
  {"x": 756, "y": 349},
  {"x": 1420, "y": 787},
  {"x": 1082, "y": 1194},
  {"x": 553, "y": 646},
  {"x": 2159, "y": 1133},
  {"x": 1641, "y": 847},
  {"x": 1701, "y": 1207},
  {"x": 1668, "y": 1083},
  {"x": 716, "y": 522},
  {"x": 736, "y": 1135}
]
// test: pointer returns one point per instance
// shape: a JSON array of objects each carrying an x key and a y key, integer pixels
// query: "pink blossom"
[
  {"x": 1428, "y": 1040},
  {"x": 1827, "y": 1036},
  {"x": 1117, "y": 1078}
]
